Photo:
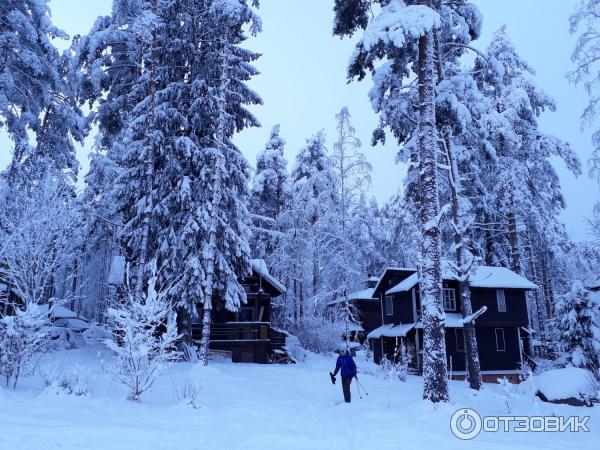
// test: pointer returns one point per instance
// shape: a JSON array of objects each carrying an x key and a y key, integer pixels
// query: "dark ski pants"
[{"x": 346, "y": 381}]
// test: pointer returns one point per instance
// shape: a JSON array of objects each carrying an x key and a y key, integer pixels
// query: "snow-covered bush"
[
  {"x": 396, "y": 369},
  {"x": 578, "y": 328},
  {"x": 144, "y": 338},
  {"x": 188, "y": 392},
  {"x": 71, "y": 380},
  {"x": 22, "y": 337}
]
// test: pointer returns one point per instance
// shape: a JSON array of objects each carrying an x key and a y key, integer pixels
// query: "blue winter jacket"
[{"x": 346, "y": 363}]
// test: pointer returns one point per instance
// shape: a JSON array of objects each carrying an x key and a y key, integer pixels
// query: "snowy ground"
[{"x": 248, "y": 406}]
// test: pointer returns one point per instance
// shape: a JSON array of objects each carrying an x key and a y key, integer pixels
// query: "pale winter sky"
[{"x": 303, "y": 83}]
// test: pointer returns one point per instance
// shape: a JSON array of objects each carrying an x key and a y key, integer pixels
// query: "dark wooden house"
[
  {"x": 247, "y": 333},
  {"x": 502, "y": 332}
]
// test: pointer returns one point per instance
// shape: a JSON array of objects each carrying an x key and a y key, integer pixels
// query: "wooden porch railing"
[{"x": 236, "y": 331}]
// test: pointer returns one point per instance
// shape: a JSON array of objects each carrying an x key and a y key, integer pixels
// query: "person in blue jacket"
[{"x": 346, "y": 365}]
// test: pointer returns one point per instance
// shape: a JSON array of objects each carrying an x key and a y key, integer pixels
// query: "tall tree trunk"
[
  {"x": 513, "y": 236},
  {"x": 538, "y": 301},
  {"x": 461, "y": 243},
  {"x": 210, "y": 261},
  {"x": 463, "y": 270},
  {"x": 184, "y": 328},
  {"x": 435, "y": 371},
  {"x": 217, "y": 192},
  {"x": 547, "y": 286},
  {"x": 149, "y": 174}
]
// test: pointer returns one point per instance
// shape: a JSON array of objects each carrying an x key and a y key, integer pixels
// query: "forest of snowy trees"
[{"x": 161, "y": 87}]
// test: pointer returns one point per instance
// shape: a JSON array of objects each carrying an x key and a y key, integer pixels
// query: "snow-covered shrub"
[
  {"x": 72, "y": 380},
  {"x": 396, "y": 368},
  {"x": 578, "y": 328},
  {"x": 544, "y": 364},
  {"x": 188, "y": 392},
  {"x": 144, "y": 338},
  {"x": 22, "y": 337},
  {"x": 189, "y": 353}
]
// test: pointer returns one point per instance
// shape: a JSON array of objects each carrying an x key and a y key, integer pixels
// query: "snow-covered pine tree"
[
  {"x": 397, "y": 234},
  {"x": 585, "y": 22},
  {"x": 522, "y": 189},
  {"x": 270, "y": 195},
  {"x": 314, "y": 199},
  {"x": 461, "y": 109},
  {"x": 109, "y": 61},
  {"x": 403, "y": 34},
  {"x": 225, "y": 251},
  {"x": 161, "y": 123},
  {"x": 578, "y": 328},
  {"x": 29, "y": 73}
]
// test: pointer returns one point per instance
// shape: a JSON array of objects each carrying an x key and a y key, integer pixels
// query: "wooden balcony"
[{"x": 240, "y": 331}]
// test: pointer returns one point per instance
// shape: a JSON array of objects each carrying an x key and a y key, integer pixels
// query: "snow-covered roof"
[
  {"x": 59, "y": 312},
  {"x": 399, "y": 269},
  {"x": 499, "y": 277},
  {"x": 261, "y": 268},
  {"x": 364, "y": 294},
  {"x": 391, "y": 330},
  {"x": 405, "y": 285},
  {"x": 373, "y": 279},
  {"x": 595, "y": 286},
  {"x": 482, "y": 277},
  {"x": 453, "y": 320},
  {"x": 73, "y": 324}
]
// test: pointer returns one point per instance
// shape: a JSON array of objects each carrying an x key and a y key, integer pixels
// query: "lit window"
[
  {"x": 449, "y": 299},
  {"x": 500, "y": 343},
  {"x": 501, "y": 299},
  {"x": 389, "y": 305}
]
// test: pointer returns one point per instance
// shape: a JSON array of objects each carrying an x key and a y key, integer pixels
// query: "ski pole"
[
  {"x": 360, "y": 384},
  {"x": 358, "y": 389}
]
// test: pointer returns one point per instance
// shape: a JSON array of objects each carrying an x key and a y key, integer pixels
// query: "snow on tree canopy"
[{"x": 398, "y": 23}]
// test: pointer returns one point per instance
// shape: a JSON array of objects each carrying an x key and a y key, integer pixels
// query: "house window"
[
  {"x": 449, "y": 299},
  {"x": 460, "y": 340},
  {"x": 389, "y": 305},
  {"x": 500, "y": 343},
  {"x": 501, "y": 299}
]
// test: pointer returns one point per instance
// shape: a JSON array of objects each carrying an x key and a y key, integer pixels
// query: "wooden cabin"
[
  {"x": 247, "y": 333},
  {"x": 503, "y": 332}
]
